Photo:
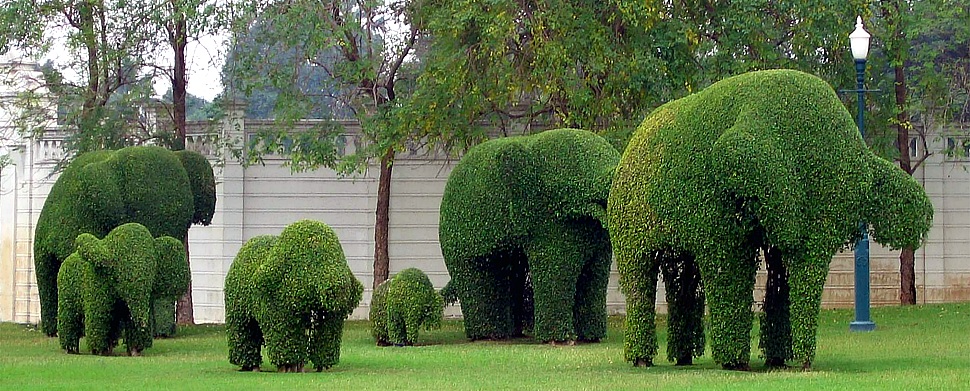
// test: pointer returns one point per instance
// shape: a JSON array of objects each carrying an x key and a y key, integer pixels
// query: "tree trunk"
[
  {"x": 907, "y": 276},
  {"x": 184, "y": 314},
  {"x": 907, "y": 273},
  {"x": 381, "y": 258},
  {"x": 179, "y": 80},
  {"x": 178, "y": 37},
  {"x": 86, "y": 24}
]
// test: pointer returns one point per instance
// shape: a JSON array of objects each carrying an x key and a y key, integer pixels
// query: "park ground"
[{"x": 914, "y": 348}]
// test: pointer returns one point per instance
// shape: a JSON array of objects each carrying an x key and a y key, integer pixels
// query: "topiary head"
[
  {"x": 899, "y": 212},
  {"x": 203, "y": 184},
  {"x": 577, "y": 171},
  {"x": 93, "y": 250}
]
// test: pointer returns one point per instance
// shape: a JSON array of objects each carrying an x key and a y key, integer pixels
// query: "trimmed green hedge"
[
  {"x": 106, "y": 288},
  {"x": 402, "y": 305},
  {"x": 522, "y": 234},
  {"x": 290, "y": 293},
  {"x": 101, "y": 190},
  {"x": 765, "y": 163}
]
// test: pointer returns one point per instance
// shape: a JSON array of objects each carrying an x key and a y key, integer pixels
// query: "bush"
[
  {"x": 522, "y": 234},
  {"x": 290, "y": 293},
  {"x": 403, "y": 305},
  {"x": 765, "y": 163},
  {"x": 101, "y": 190},
  {"x": 107, "y": 288}
]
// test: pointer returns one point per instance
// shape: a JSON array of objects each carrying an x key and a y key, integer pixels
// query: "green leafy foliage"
[
  {"x": 603, "y": 65},
  {"x": 766, "y": 162},
  {"x": 290, "y": 293},
  {"x": 107, "y": 288},
  {"x": 404, "y": 304},
  {"x": 101, "y": 190},
  {"x": 522, "y": 234}
]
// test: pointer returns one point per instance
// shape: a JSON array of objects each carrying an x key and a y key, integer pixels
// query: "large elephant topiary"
[
  {"x": 766, "y": 165},
  {"x": 106, "y": 289},
  {"x": 291, "y": 293},
  {"x": 163, "y": 190},
  {"x": 522, "y": 234},
  {"x": 402, "y": 305}
]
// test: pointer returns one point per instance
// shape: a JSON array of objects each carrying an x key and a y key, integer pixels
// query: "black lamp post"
[{"x": 859, "y": 41}]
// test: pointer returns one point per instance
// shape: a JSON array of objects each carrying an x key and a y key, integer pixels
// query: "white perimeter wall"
[{"x": 260, "y": 200}]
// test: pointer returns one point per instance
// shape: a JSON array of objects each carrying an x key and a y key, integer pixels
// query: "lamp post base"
[{"x": 862, "y": 326}]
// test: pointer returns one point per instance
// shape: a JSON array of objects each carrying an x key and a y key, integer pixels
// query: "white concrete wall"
[{"x": 263, "y": 199}]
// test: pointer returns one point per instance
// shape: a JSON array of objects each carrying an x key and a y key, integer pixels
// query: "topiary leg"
[
  {"x": 685, "y": 308},
  {"x": 484, "y": 293},
  {"x": 70, "y": 307},
  {"x": 589, "y": 312},
  {"x": 412, "y": 324},
  {"x": 245, "y": 340},
  {"x": 286, "y": 339},
  {"x": 728, "y": 284},
  {"x": 47, "y": 266},
  {"x": 397, "y": 326},
  {"x": 100, "y": 326},
  {"x": 806, "y": 278},
  {"x": 138, "y": 333},
  {"x": 638, "y": 281},
  {"x": 325, "y": 341},
  {"x": 555, "y": 262},
  {"x": 163, "y": 317},
  {"x": 775, "y": 339}
]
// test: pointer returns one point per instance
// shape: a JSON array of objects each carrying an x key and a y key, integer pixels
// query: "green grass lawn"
[{"x": 914, "y": 348}]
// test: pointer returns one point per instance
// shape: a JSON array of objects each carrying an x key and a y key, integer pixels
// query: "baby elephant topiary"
[
  {"x": 292, "y": 294},
  {"x": 107, "y": 287},
  {"x": 402, "y": 305}
]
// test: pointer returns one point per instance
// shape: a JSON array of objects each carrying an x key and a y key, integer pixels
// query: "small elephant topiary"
[
  {"x": 290, "y": 293},
  {"x": 765, "y": 166},
  {"x": 402, "y": 305},
  {"x": 523, "y": 235},
  {"x": 163, "y": 190},
  {"x": 107, "y": 287}
]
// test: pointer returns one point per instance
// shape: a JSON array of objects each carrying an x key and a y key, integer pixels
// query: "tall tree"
[
  {"x": 183, "y": 21},
  {"x": 353, "y": 42},
  {"x": 604, "y": 65},
  {"x": 516, "y": 65},
  {"x": 105, "y": 46},
  {"x": 922, "y": 62}
]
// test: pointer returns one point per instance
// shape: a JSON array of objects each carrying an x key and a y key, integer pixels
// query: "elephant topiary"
[
  {"x": 163, "y": 190},
  {"x": 765, "y": 165},
  {"x": 291, "y": 293},
  {"x": 522, "y": 234},
  {"x": 402, "y": 305},
  {"x": 106, "y": 288}
]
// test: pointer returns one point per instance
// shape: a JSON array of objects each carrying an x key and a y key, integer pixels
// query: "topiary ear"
[
  {"x": 93, "y": 250},
  {"x": 899, "y": 212},
  {"x": 203, "y": 184},
  {"x": 98, "y": 195}
]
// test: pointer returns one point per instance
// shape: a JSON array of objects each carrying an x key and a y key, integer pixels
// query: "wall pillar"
[{"x": 8, "y": 234}]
